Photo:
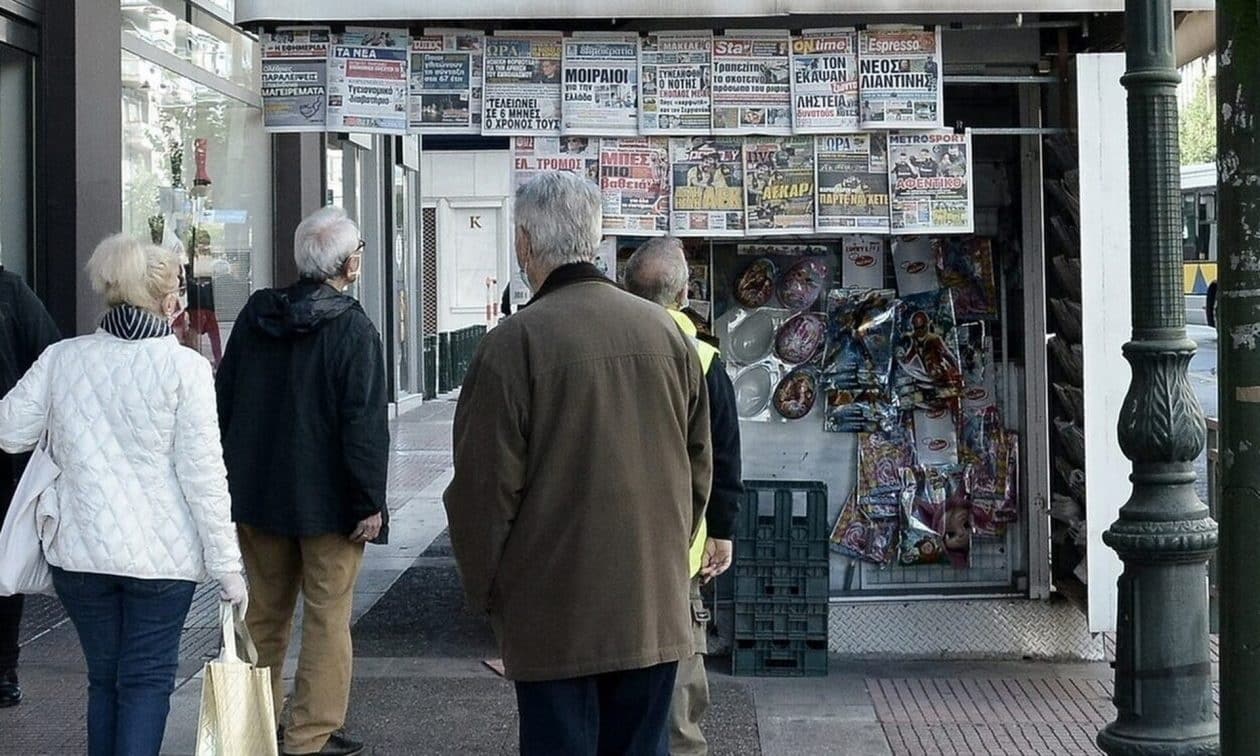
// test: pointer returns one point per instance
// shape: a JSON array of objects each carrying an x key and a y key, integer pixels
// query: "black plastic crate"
[
  {"x": 779, "y": 658},
  {"x": 783, "y": 521},
  {"x": 759, "y": 581},
  {"x": 773, "y": 620}
]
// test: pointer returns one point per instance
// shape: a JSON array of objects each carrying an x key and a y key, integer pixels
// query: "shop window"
[
  {"x": 196, "y": 177},
  {"x": 15, "y": 159},
  {"x": 195, "y": 36}
]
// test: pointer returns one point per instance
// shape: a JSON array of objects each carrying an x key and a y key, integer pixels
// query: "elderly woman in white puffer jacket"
[{"x": 141, "y": 507}]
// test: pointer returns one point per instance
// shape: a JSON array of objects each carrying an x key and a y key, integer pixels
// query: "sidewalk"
[{"x": 421, "y": 688}]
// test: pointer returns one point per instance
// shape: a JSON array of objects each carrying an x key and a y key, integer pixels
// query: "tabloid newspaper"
[
  {"x": 295, "y": 78},
  {"x": 930, "y": 181},
  {"x": 675, "y": 76},
  {"x": 634, "y": 177},
  {"x": 708, "y": 186},
  {"x": 900, "y": 79},
  {"x": 534, "y": 155},
  {"x": 368, "y": 80},
  {"x": 852, "y": 183},
  {"x": 521, "y": 94},
  {"x": 825, "y": 81},
  {"x": 446, "y": 82},
  {"x": 601, "y": 85},
  {"x": 752, "y": 83},
  {"x": 779, "y": 185}
]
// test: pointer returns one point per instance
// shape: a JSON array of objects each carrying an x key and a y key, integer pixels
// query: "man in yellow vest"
[{"x": 658, "y": 272}]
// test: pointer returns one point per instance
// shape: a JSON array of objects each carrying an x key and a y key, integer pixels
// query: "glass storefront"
[
  {"x": 364, "y": 176},
  {"x": 196, "y": 163},
  {"x": 16, "y": 129}
]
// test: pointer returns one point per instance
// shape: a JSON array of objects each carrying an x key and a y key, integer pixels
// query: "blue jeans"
[{"x": 129, "y": 629}]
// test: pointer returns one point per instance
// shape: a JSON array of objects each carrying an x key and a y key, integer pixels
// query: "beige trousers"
[
  {"x": 324, "y": 569},
  {"x": 691, "y": 688}
]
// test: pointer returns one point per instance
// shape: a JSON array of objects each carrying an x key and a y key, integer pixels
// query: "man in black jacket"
[
  {"x": 657, "y": 271},
  {"x": 302, "y": 408},
  {"x": 26, "y": 329}
]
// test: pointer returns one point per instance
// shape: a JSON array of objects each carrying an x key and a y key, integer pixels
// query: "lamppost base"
[{"x": 1201, "y": 739}]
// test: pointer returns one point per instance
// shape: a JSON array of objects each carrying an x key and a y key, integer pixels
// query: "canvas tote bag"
[
  {"x": 23, "y": 568},
  {"x": 237, "y": 715}
]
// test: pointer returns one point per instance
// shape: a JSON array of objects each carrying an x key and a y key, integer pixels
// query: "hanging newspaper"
[
  {"x": 752, "y": 83},
  {"x": 367, "y": 81},
  {"x": 852, "y": 183},
  {"x": 601, "y": 85},
  {"x": 534, "y": 155},
  {"x": 779, "y": 185},
  {"x": 522, "y": 84},
  {"x": 929, "y": 175},
  {"x": 295, "y": 78},
  {"x": 824, "y": 81},
  {"x": 675, "y": 71},
  {"x": 900, "y": 81},
  {"x": 634, "y": 177},
  {"x": 446, "y": 82},
  {"x": 708, "y": 186}
]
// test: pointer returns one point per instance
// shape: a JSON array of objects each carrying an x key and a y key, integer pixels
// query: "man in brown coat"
[{"x": 582, "y": 468}]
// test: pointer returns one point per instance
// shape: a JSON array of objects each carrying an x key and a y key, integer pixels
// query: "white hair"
[
  {"x": 129, "y": 271},
  {"x": 657, "y": 271},
  {"x": 323, "y": 241},
  {"x": 563, "y": 215}
]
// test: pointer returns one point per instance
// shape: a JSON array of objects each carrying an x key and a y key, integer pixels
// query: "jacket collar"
[{"x": 569, "y": 274}]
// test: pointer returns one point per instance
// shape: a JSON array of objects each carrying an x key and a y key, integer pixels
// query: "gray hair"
[
  {"x": 657, "y": 271},
  {"x": 131, "y": 271},
  {"x": 563, "y": 215},
  {"x": 323, "y": 241}
]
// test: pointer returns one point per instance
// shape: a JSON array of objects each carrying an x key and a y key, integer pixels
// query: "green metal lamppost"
[
  {"x": 1165, "y": 536},
  {"x": 1238, "y": 246}
]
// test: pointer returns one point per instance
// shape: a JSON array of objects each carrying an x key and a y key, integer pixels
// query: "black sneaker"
[
  {"x": 10, "y": 691},
  {"x": 339, "y": 744}
]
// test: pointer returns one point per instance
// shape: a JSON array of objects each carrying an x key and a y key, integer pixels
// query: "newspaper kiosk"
[{"x": 901, "y": 225}]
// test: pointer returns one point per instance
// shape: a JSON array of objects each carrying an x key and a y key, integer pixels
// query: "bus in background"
[{"x": 1198, "y": 241}]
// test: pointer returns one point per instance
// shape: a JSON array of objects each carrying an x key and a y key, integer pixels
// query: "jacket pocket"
[{"x": 47, "y": 516}]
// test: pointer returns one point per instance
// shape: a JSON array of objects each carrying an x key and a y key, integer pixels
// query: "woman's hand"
[{"x": 232, "y": 588}]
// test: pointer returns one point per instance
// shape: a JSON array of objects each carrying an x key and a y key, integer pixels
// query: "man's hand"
[
  {"x": 367, "y": 529},
  {"x": 717, "y": 558}
]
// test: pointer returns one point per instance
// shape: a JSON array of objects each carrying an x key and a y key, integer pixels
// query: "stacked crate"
[{"x": 781, "y": 580}]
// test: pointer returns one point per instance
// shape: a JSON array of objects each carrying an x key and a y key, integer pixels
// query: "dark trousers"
[
  {"x": 614, "y": 714},
  {"x": 129, "y": 629},
  {"x": 10, "y": 622}
]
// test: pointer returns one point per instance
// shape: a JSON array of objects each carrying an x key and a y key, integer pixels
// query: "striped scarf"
[{"x": 133, "y": 323}]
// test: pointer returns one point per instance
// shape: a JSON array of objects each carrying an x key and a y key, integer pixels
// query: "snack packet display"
[
  {"x": 881, "y": 458},
  {"x": 915, "y": 264},
  {"x": 941, "y": 506},
  {"x": 920, "y": 543},
  {"x": 858, "y": 536},
  {"x": 928, "y": 365},
  {"x": 860, "y": 328},
  {"x": 858, "y": 411},
  {"x": 863, "y": 261},
  {"x": 936, "y": 435},
  {"x": 965, "y": 266}
]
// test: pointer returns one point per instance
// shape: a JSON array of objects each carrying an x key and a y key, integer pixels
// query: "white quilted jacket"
[{"x": 133, "y": 426}]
